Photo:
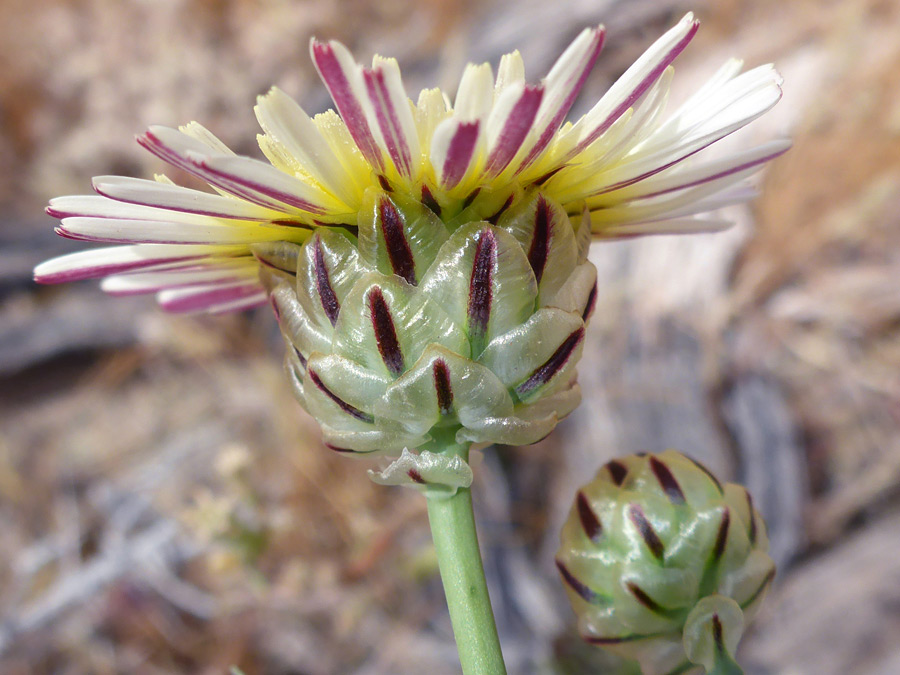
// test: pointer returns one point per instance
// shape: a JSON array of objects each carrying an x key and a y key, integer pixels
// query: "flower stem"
[{"x": 456, "y": 542}]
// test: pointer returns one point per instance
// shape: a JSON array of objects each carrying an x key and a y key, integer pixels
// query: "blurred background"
[{"x": 168, "y": 508}]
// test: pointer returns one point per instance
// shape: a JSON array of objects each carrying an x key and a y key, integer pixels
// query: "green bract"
[
  {"x": 427, "y": 326},
  {"x": 664, "y": 564}
]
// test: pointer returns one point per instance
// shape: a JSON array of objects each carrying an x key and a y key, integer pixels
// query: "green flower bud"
[
  {"x": 436, "y": 324},
  {"x": 664, "y": 564}
]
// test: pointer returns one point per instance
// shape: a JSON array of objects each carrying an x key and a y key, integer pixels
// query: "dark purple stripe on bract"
[
  {"x": 648, "y": 534},
  {"x": 327, "y": 296},
  {"x": 762, "y": 587},
  {"x": 300, "y": 357},
  {"x": 589, "y": 520},
  {"x": 442, "y": 386},
  {"x": 467, "y": 202},
  {"x": 496, "y": 217},
  {"x": 590, "y": 304},
  {"x": 429, "y": 201},
  {"x": 641, "y": 596},
  {"x": 709, "y": 474},
  {"x": 459, "y": 153},
  {"x": 397, "y": 246},
  {"x": 639, "y": 90},
  {"x": 752, "y": 533},
  {"x": 722, "y": 535},
  {"x": 342, "y": 404},
  {"x": 617, "y": 471},
  {"x": 594, "y": 640},
  {"x": 717, "y": 633},
  {"x": 415, "y": 476},
  {"x": 667, "y": 481},
  {"x": 515, "y": 129},
  {"x": 581, "y": 589},
  {"x": 553, "y": 365},
  {"x": 481, "y": 289},
  {"x": 385, "y": 333},
  {"x": 346, "y": 102},
  {"x": 540, "y": 242}
]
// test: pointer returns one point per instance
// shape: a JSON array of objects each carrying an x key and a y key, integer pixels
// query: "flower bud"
[
  {"x": 415, "y": 332},
  {"x": 663, "y": 563}
]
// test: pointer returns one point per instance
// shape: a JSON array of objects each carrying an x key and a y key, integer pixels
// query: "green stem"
[{"x": 456, "y": 542}]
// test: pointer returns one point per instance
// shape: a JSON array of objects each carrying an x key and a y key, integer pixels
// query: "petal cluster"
[{"x": 627, "y": 161}]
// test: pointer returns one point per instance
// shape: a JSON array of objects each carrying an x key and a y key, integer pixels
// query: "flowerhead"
[
  {"x": 663, "y": 563},
  {"x": 427, "y": 261}
]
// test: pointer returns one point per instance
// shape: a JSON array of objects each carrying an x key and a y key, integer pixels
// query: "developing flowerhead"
[
  {"x": 411, "y": 243},
  {"x": 664, "y": 564}
]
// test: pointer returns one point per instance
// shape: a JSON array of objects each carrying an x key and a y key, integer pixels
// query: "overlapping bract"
[
  {"x": 408, "y": 333},
  {"x": 626, "y": 160},
  {"x": 663, "y": 563}
]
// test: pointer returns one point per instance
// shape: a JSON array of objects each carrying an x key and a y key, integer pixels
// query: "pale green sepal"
[
  {"x": 354, "y": 385},
  {"x": 561, "y": 404},
  {"x": 431, "y": 473},
  {"x": 574, "y": 294},
  {"x": 486, "y": 206},
  {"x": 714, "y": 616},
  {"x": 339, "y": 258},
  {"x": 748, "y": 583},
  {"x": 509, "y": 430},
  {"x": 672, "y": 589},
  {"x": 583, "y": 237},
  {"x": 412, "y": 400},
  {"x": 270, "y": 277},
  {"x": 281, "y": 255},
  {"x": 517, "y": 354},
  {"x": 295, "y": 372},
  {"x": 375, "y": 441},
  {"x": 417, "y": 322},
  {"x": 305, "y": 335},
  {"x": 561, "y": 250},
  {"x": 422, "y": 230},
  {"x": 526, "y": 425},
  {"x": 662, "y": 655},
  {"x": 513, "y": 287}
]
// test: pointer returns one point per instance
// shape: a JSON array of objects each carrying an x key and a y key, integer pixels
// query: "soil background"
[{"x": 168, "y": 508}]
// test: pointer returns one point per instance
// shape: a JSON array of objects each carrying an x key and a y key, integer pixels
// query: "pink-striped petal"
[
  {"x": 214, "y": 299},
  {"x": 633, "y": 83},
  {"x": 392, "y": 114},
  {"x": 562, "y": 85},
  {"x": 512, "y": 118},
  {"x": 100, "y": 262},
  {"x": 178, "y": 199},
  {"x": 342, "y": 78},
  {"x": 262, "y": 182},
  {"x": 125, "y": 231},
  {"x": 153, "y": 282},
  {"x": 96, "y": 206},
  {"x": 252, "y": 180},
  {"x": 733, "y": 168},
  {"x": 452, "y": 150}
]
